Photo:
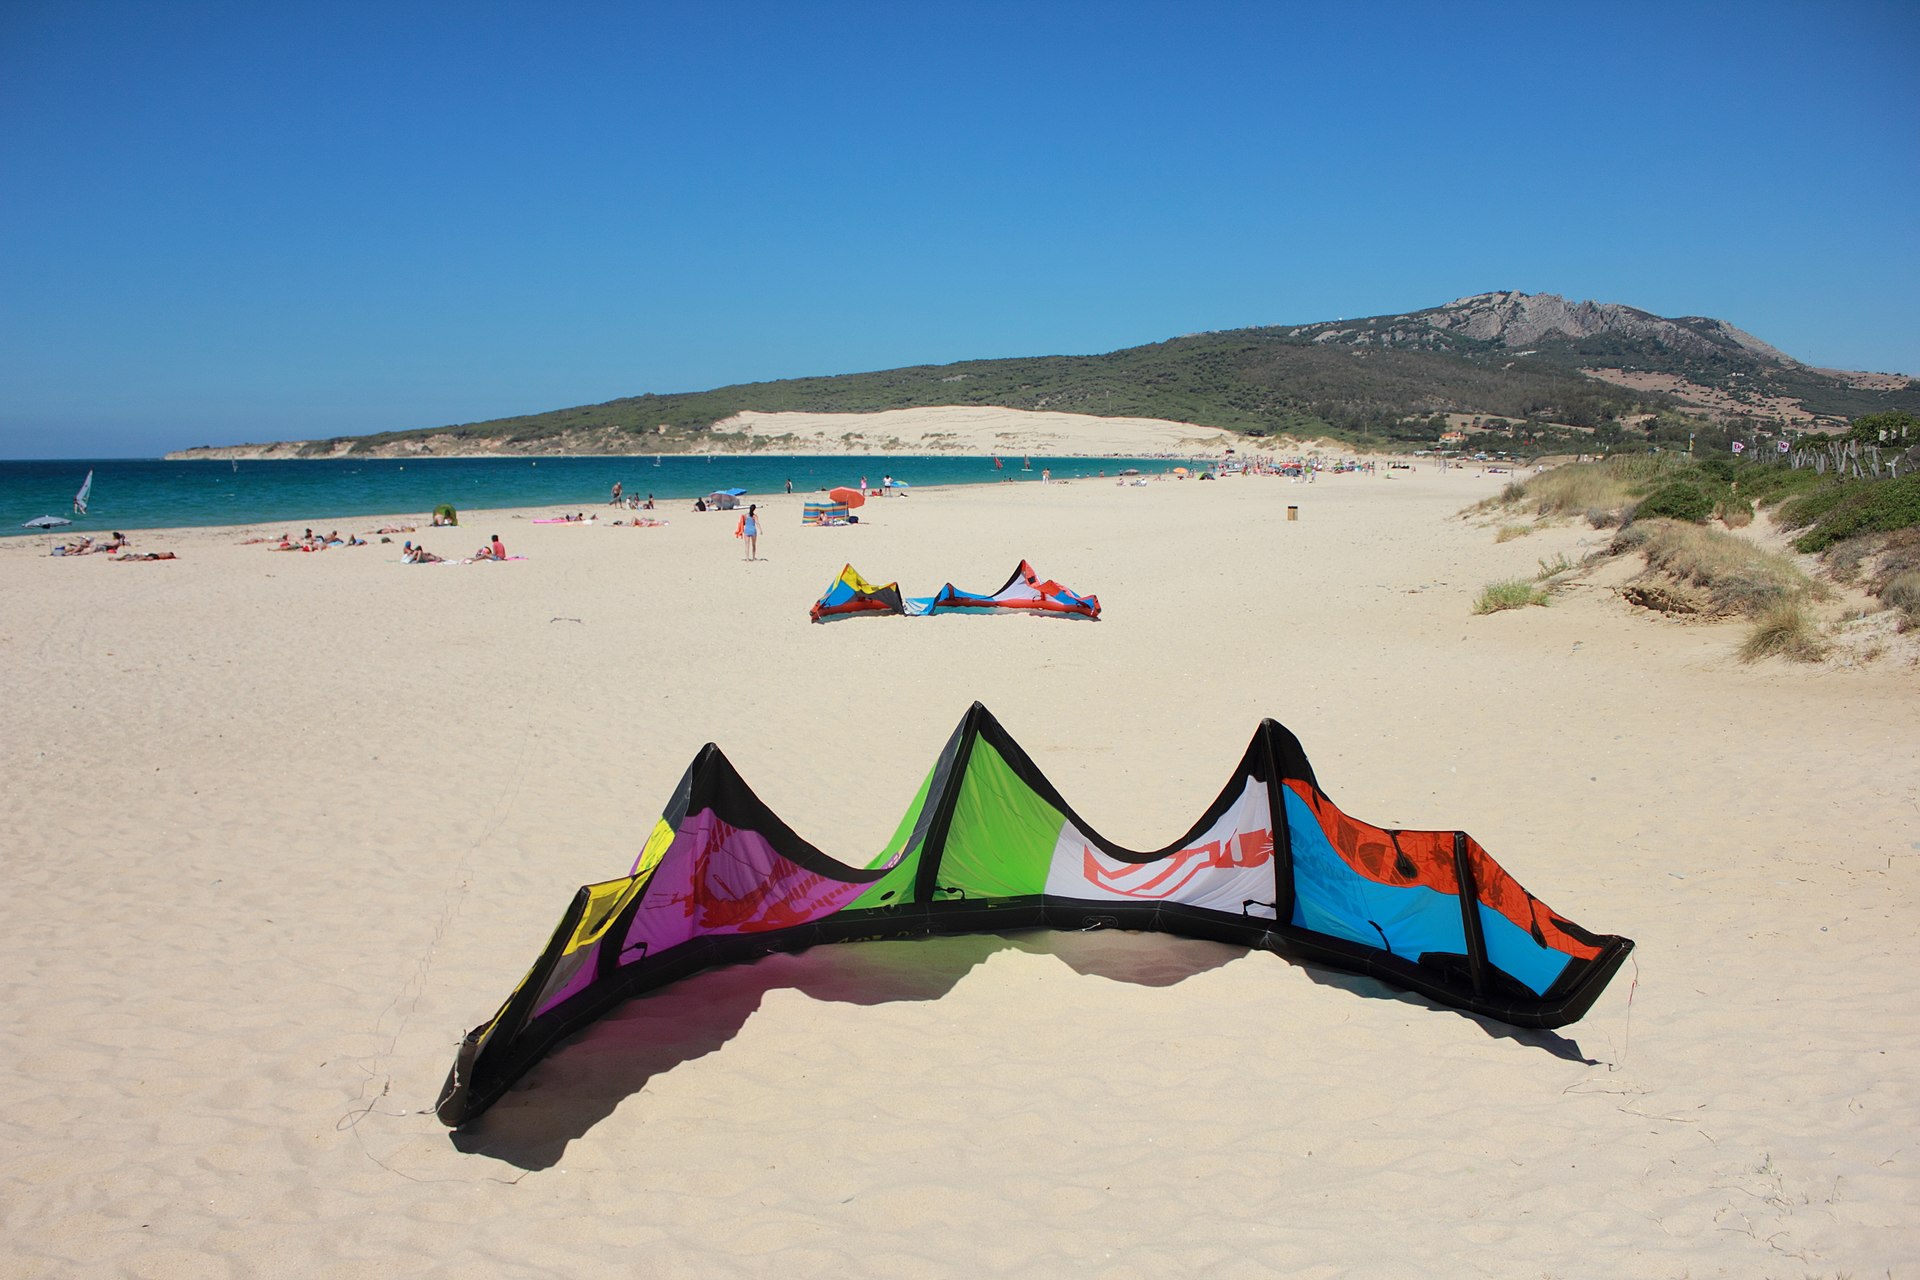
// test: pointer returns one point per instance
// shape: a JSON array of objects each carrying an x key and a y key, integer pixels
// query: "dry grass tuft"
[
  {"x": 1578, "y": 490},
  {"x": 1902, "y": 592},
  {"x": 1738, "y": 577},
  {"x": 1895, "y": 576},
  {"x": 1785, "y": 630},
  {"x": 1508, "y": 532}
]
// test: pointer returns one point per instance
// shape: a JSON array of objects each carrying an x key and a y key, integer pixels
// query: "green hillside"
[{"x": 1257, "y": 381}]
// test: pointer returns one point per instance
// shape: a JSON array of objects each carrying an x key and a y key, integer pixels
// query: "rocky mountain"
[
  {"x": 1697, "y": 362},
  {"x": 1525, "y": 321}
]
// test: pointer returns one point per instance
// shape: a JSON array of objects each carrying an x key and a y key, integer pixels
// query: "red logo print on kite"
[
  {"x": 740, "y": 883},
  {"x": 1164, "y": 878}
]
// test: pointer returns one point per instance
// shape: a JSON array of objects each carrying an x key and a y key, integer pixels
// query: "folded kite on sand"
[
  {"x": 988, "y": 845},
  {"x": 851, "y": 594},
  {"x": 1024, "y": 592}
]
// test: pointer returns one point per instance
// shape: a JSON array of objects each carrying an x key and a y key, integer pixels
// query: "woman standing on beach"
[{"x": 750, "y": 530}]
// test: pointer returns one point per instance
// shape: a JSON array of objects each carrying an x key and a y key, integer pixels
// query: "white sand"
[{"x": 277, "y": 829}]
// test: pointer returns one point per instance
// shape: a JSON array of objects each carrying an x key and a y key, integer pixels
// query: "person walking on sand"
[
  {"x": 616, "y": 494},
  {"x": 750, "y": 530}
]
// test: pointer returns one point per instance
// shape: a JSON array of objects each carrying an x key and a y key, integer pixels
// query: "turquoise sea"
[{"x": 148, "y": 493}]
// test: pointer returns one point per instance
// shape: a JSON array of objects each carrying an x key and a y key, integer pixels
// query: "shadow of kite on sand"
[{"x": 591, "y": 1073}]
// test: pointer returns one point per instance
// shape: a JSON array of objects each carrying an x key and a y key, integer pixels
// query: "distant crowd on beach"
[
  {"x": 311, "y": 541},
  {"x": 1299, "y": 470},
  {"x": 115, "y": 548}
]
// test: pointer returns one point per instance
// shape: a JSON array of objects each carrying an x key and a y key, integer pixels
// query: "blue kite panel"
[
  {"x": 1513, "y": 950},
  {"x": 1331, "y": 897}
]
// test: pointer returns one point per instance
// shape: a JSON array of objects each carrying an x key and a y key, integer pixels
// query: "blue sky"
[{"x": 225, "y": 222}]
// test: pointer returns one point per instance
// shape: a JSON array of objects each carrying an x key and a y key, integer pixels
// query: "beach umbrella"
[
  {"x": 46, "y": 522},
  {"x": 852, "y": 497},
  {"x": 1179, "y": 471}
]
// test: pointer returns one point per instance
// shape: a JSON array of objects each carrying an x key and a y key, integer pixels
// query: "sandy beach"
[{"x": 279, "y": 828}]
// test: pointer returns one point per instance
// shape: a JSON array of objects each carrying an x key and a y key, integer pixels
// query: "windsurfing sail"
[
  {"x": 1024, "y": 591},
  {"x": 80, "y": 498},
  {"x": 852, "y": 594},
  {"x": 989, "y": 845}
]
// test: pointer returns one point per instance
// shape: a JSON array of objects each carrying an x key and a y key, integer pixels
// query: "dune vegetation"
[
  {"x": 1677, "y": 514},
  {"x": 1514, "y": 593}
]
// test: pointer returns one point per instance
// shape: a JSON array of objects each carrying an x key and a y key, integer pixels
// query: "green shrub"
[
  {"x": 1771, "y": 483},
  {"x": 1805, "y": 509},
  {"x": 1514, "y": 593},
  {"x": 1717, "y": 468},
  {"x": 1676, "y": 500},
  {"x": 1877, "y": 506}
]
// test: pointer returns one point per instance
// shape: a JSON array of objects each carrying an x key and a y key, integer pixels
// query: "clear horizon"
[{"x": 231, "y": 223}]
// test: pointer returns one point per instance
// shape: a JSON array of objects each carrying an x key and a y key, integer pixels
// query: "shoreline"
[
  {"x": 382, "y": 489},
  {"x": 603, "y": 515}
]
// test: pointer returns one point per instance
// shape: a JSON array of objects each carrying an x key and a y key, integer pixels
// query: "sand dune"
[
  {"x": 279, "y": 828},
  {"x": 975, "y": 430}
]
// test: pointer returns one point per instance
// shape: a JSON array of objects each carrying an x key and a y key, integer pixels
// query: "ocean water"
[{"x": 147, "y": 493}]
